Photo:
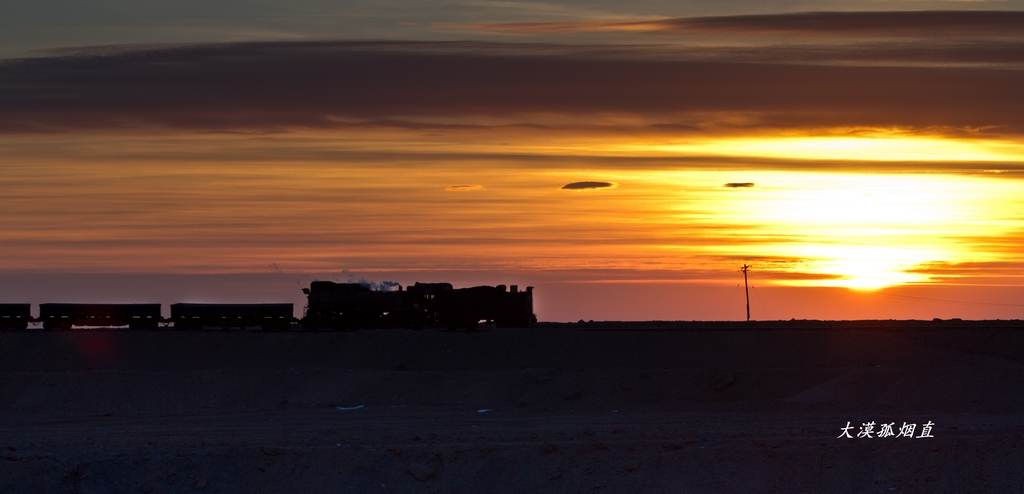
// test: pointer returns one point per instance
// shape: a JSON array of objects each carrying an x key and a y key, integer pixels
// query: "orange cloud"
[
  {"x": 906, "y": 24},
  {"x": 464, "y": 188}
]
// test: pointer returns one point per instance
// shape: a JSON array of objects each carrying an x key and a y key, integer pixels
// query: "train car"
[
  {"x": 266, "y": 316},
  {"x": 354, "y": 306},
  {"x": 15, "y": 316},
  {"x": 135, "y": 316}
]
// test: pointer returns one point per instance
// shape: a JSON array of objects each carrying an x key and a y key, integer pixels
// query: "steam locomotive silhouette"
[
  {"x": 329, "y": 306},
  {"x": 352, "y": 305}
]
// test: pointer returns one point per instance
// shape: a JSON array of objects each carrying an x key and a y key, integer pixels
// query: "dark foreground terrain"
[{"x": 599, "y": 407}]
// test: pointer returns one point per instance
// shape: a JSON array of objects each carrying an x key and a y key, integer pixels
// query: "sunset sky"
[{"x": 866, "y": 159}]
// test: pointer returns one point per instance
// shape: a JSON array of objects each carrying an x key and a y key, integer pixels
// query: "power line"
[
  {"x": 746, "y": 289},
  {"x": 758, "y": 297},
  {"x": 733, "y": 299}
]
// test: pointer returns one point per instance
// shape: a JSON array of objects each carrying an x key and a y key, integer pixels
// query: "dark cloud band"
[{"x": 330, "y": 85}]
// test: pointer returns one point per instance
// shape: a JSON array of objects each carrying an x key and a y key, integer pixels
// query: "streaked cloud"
[
  {"x": 973, "y": 24},
  {"x": 458, "y": 87},
  {"x": 464, "y": 188},
  {"x": 738, "y": 185},
  {"x": 588, "y": 185}
]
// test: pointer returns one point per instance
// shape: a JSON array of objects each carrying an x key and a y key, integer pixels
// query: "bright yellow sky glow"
[
  {"x": 869, "y": 148},
  {"x": 862, "y": 231},
  {"x": 241, "y": 205}
]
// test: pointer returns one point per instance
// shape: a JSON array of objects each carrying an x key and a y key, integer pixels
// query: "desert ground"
[{"x": 586, "y": 407}]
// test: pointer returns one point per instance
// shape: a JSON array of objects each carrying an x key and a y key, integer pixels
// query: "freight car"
[
  {"x": 227, "y": 316},
  {"x": 15, "y": 316},
  {"x": 354, "y": 306},
  {"x": 135, "y": 316}
]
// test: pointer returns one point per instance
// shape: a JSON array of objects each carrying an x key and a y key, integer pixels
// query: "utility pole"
[{"x": 746, "y": 289}]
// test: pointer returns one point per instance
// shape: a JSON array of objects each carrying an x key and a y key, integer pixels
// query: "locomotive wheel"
[
  {"x": 512, "y": 323},
  {"x": 188, "y": 325},
  {"x": 462, "y": 324},
  {"x": 274, "y": 326}
]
